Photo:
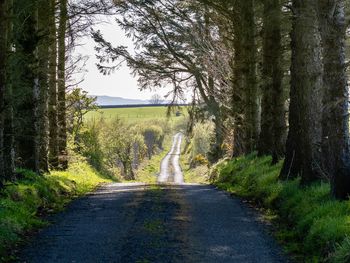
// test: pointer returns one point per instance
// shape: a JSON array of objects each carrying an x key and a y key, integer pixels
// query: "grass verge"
[
  {"x": 23, "y": 204},
  {"x": 198, "y": 174},
  {"x": 310, "y": 223}
]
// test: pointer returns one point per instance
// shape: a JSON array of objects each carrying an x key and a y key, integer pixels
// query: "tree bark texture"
[
  {"x": 42, "y": 103},
  {"x": 3, "y": 52},
  {"x": 303, "y": 142},
  {"x": 273, "y": 124},
  {"x": 249, "y": 70},
  {"x": 61, "y": 87},
  {"x": 9, "y": 137},
  {"x": 237, "y": 87},
  {"x": 52, "y": 107},
  {"x": 335, "y": 121},
  {"x": 24, "y": 83}
]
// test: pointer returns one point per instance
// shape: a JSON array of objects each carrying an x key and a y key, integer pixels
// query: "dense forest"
[
  {"x": 270, "y": 74},
  {"x": 36, "y": 71}
]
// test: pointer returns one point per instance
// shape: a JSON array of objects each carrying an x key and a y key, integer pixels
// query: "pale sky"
[{"x": 120, "y": 83}]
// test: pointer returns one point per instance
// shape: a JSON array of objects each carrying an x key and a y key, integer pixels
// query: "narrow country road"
[
  {"x": 170, "y": 170},
  {"x": 138, "y": 223},
  {"x": 134, "y": 223}
]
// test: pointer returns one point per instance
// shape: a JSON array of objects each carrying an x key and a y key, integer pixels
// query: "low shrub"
[
  {"x": 312, "y": 223},
  {"x": 199, "y": 160}
]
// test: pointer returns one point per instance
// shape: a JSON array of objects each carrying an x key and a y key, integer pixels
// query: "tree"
[
  {"x": 78, "y": 105},
  {"x": 237, "y": 93},
  {"x": 271, "y": 140},
  {"x": 156, "y": 99},
  {"x": 119, "y": 147},
  {"x": 335, "y": 116},
  {"x": 9, "y": 131},
  {"x": 302, "y": 148},
  {"x": 153, "y": 137},
  {"x": 249, "y": 77},
  {"x": 41, "y": 96},
  {"x": 52, "y": 104},
  {"x": 61, "y": 85},
  {"x": 3, "y": 54},
  {"x": 25, "y": 83}
]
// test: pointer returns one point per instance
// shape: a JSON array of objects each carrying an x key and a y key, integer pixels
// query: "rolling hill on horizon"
[{"x": 109, "y": 100}]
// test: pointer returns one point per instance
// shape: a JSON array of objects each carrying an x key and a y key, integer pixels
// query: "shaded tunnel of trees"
[{"x": 271, "y": 75}]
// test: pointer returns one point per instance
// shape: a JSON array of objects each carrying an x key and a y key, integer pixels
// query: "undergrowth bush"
[{"x": 312, "y": 223}]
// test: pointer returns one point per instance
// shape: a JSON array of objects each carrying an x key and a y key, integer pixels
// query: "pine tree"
[
  {"x": 25, "y": 82},
  {"x": 43, "y": 15},
  {"x": 271, "y": 140},
  {"x": 61, "y": 86},
  {"x": 3, "y": 54},
  {"x": 52, "y": 107},
  {"x": 302, "y": 149},
  {"x": 335, "y": 121},
  {"x": 9, "y": 134},
  {"x": 249, "y": 75}
]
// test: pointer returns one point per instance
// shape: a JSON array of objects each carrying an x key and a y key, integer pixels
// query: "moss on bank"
[
  {"x": 23, "y": 203},
  {"x": 311, "y": 224}
]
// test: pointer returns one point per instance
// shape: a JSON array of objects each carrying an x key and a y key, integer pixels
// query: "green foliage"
[
  {"x": 311, "y": 222},
  {"x": 78, "y": 104},
  {"x": 120, "y": 142},
  {"x": 201, "y": 140},
  {"x": 123, "y": 146},
  {"x": 199, "y": 159},
  {"x": 90, "y": 146},
  {"x": 153, "y": 137},
  {"x": 197, "y": 174},
  {"x": 22, "y": 204},
  {"x": 342, "y": 253}
]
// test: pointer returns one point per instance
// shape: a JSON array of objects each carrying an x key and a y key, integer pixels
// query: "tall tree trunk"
[
  {"x": 3, "y": 52},
  {"x": 303, "y": 141},
  {"x": 52, "y": 108},
  {"x": 249, "y": 71},
  {"x": 271, "y": 140},
  {"x": 9, "y": 138},
  {"x": 25, "y": 83},
  {"x": 237, "y": 87},
  {"x": 61, "y": 88},
  {"x": 216, "y": 151},
  {"x": 42, "y": 103},
  {"x": 335, "y": 121}
]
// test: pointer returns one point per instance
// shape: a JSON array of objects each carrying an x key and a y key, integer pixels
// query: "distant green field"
[{"x": 134, "y": 114}]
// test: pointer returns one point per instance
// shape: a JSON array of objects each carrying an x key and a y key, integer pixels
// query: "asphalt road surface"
[
  {"x": 170, "y": 170},
  {"x": 162, "y": 223},
  {"x": 138, "y": 223}
]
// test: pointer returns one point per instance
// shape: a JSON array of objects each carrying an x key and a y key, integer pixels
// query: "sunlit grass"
[
  {"x": 135, "y": 115},
  {"x": 311, "y": 223},
  {"x": 199, "y": 174}
]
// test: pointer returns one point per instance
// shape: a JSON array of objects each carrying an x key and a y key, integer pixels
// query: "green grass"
[
  {"x": 197, "y": 174},
  {"x": 134, "y": 115},
  {"x": 22, "y": 204},
  {"x": 311, "y": 224}
]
